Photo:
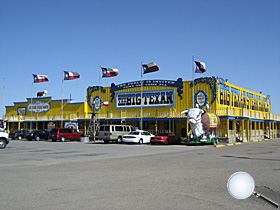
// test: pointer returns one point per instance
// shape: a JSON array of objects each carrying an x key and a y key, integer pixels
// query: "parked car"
[
  {"x": 63, "y": 134},
  {"x": 19, "y": 134},
  {"x": 37, "y": 135},
  {"x": 4, "y": 139},
  {"x": 138, "y": 136},
  {"x": 165, "y": 138},
  {"x": 113, "y": 132}
]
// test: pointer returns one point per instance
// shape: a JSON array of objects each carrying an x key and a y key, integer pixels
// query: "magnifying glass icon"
[{"x": 241, "y": 185}]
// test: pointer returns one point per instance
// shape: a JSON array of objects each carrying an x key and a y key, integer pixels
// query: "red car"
[
  {"x": 165, "y": 138},
  {"x": 63, "y": 134}
]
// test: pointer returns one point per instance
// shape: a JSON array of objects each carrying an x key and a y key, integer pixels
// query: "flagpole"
[
  {"x": 141, "y": 113},
  {"x": 100, "y": 100},
  {"x": 62, "y": 100},
  {"x": 99, "y": 80},
  {"x": 3, "y": 100},
  {"x": 31, "y": 104},
  {"x": 193, "y": 77}
]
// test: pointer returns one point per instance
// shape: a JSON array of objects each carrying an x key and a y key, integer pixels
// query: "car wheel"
[
  {"x": 166, "y": 142},
  {"x": 53, "y": 140},
  {"x": 62, "y": 139},
  {"x": 140, "y": 141},
  {"x": 37, "y": 138},
  {"x": 119, "y": 140},
  {"x": 2, "y": 144},
  {"x": 19, "y": 137}
]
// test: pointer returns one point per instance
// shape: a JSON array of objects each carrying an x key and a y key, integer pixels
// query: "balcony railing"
[{"x": 172, "y": 113}]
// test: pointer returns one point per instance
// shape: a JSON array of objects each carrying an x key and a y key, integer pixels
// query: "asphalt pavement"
[{"x": 77, "y": 175}]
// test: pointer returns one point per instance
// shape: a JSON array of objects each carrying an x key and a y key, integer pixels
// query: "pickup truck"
[{"x": 4, "y": 140}]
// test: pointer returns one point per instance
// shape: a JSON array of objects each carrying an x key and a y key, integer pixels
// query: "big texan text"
[{"x": 157, "y": 98}]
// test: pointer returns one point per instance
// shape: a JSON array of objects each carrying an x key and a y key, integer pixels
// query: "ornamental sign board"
[
  {"x": 167, "y": 83},
  {"x": 38, "y": 106},
  {"x": 151, "y": 98},
  {"x": 96, "y": 102},
  {"x": 201, "y": 98},
  {"x": 71, "y": 125}
]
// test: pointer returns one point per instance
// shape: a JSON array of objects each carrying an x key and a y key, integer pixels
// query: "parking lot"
[
  {"x": 38, "y": 153},
  {"x": 79, "y": 175}
]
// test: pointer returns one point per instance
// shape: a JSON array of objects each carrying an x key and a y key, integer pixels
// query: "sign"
[
  {"x": 38, "y": 106},
  {"x": 97, "y": 103},
  {"x": 51, "y": 125},
  {"x": 213, "y": 120},
  {"x": 166, "y": 83},
  {"x": 201, "y": 98},
  {"x": 21, "y": 111},
  {"x": 71, "y": 125},
  {"x": 151, "y": 98}
]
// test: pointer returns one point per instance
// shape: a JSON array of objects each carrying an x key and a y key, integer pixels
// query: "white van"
[{"x": 113, "y": 132}]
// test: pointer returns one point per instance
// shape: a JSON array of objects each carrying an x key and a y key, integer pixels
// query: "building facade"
[{"x": 155, "y": 105}]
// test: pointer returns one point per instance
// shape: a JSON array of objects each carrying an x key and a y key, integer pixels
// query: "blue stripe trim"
[
  {"x": 74, "y": 103},
  {"x": 38, "y": 98}
]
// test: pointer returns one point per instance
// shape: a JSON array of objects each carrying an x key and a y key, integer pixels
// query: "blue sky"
[{"x": 238, "y": 40}]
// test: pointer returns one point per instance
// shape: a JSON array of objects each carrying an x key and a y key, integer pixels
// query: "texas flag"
[
  {"x": 106, "y": 103},
  {"x": 150, "y": 67},
  {"x": 40, "y": 78},
  {"x": 109, "y": 72},
  {"x": 69, "y": 75},
  {"x": 200, "y": 67}
]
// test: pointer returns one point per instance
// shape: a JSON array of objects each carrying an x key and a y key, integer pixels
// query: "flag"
[
  {"x": 151, "y": 67},
  {"x": 42, "y": 93},
  {"x": 40, "y": 78},
  {"x": 106, "y": 103},
  {"x": 109, "y": 72},
  {"x": 200, "y": 67},
  {"x": 69, "y": 75}
]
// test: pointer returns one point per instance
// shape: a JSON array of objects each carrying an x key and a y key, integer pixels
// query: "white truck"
[{"x": 4, "y": 139}]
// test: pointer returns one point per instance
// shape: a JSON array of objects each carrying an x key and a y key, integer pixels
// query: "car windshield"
[
  {"x": 162, "y": 134},
  {"x": 134, "y": 133}
]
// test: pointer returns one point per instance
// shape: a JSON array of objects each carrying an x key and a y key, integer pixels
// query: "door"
[{"x": 146, "y": 137}]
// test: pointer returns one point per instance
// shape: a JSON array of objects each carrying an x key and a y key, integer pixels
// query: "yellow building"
[
  {"x": 43, "y": 113},
  {"x": 156, "y": 105}
]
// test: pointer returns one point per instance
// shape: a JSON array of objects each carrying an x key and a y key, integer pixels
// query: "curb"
[
  {"x": 220, "y": 145},
  {"x": 256, "y": 140}
]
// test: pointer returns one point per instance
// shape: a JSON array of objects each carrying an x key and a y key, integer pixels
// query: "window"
[
  {"x": 119, "y": 128},
  {"x": 65, "y": 131},
  {"x": 101, "y": 128},
  {"x": 106, "y": 128}
]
